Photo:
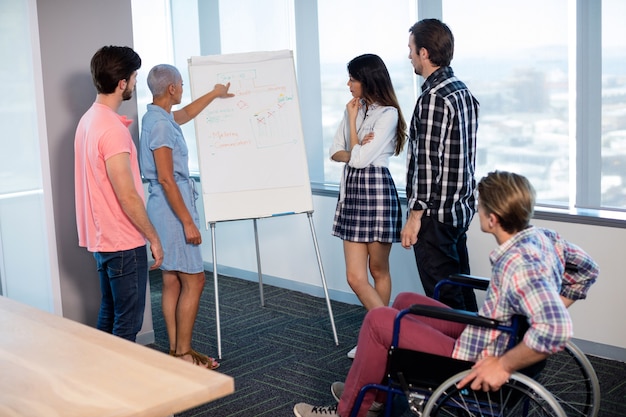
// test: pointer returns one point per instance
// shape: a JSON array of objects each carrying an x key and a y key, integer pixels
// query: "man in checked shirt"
[
  {"x": 440, "y": 181},
  {"x": 529, "y": 278}
]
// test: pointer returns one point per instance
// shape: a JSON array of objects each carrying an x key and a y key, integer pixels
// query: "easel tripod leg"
[
  {"x": 319, "y": 263},
  {"x": 258, "y": 262},
  {"x": 217, "y": 298}
]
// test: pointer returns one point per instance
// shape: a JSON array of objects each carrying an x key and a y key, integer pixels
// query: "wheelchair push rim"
[{"x": 521, "y": 396}]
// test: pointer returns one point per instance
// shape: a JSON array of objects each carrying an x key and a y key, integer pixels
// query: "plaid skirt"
[{"x": 368, "y": 207}]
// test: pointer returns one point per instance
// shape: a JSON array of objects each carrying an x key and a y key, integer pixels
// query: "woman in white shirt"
[{"x": 368, "y": 217}]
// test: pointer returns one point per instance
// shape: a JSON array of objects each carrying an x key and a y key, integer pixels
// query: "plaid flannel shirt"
[{"x": 528, "y": 275}]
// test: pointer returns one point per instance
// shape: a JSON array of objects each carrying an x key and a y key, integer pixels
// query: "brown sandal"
[{"x": 200, "y": 359}]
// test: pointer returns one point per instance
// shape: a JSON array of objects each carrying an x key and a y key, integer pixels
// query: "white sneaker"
[
  {"x": 352, "y": 353},
  {"x": 307, "y": 410},
  {"x": 336, "y": 388},
  {"x": 376, "y": 409}
]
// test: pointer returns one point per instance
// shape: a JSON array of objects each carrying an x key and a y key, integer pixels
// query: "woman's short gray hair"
[{"x": 160, "y": 77}]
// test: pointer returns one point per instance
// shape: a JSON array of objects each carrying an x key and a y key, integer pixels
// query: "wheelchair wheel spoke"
[
  {"x": 455, "y": 404},
  {"x": 522, "y": 397},
  {"x": 569, "y": 376}
]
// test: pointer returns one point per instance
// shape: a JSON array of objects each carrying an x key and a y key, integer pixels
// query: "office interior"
[{"x": 52, "y": 273}]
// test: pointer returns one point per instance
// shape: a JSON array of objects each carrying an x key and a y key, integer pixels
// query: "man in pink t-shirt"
[{"x": 110, "y": 211}]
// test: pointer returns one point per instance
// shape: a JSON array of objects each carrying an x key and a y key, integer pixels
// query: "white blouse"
[{"x": 383, "y": 121}]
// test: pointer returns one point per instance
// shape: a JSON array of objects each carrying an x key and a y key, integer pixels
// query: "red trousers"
[{"x": 416, "y": 333}]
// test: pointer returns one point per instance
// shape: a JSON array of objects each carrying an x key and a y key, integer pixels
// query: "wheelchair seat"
[{"x": 419, "y": 369}]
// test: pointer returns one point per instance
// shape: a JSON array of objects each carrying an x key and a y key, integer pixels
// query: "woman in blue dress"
[{"x": 172, "y": 205}]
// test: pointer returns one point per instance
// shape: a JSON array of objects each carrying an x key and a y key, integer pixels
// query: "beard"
[{"x": 127, "y": 94}]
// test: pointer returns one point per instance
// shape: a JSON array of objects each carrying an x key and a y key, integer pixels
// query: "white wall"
[{"x": 288, "y": 260}]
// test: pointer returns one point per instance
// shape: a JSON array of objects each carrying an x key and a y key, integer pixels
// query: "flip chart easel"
[{"x": 251, "y": 148}]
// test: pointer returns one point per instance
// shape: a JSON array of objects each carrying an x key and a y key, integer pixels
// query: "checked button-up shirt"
[{"x": 528, "y": 275}]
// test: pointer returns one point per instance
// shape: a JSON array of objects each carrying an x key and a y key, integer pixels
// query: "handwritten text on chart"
[
  {"x": 217, "y": 115},
  {"x": 229, "y": 77},
  {"x": 266, "y": 104},
  {"x": 245, "y": 83},
  {"x": 235, "y": 144}
]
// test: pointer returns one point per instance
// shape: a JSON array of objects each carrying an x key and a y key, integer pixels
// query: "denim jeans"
[{"x": 123, "y": 280}]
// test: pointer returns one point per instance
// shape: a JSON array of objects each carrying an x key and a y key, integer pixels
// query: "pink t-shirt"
[{"x": 102, "y": 224}]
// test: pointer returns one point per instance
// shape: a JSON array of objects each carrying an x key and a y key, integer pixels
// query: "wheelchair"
[{"x": 563, "y": 385}]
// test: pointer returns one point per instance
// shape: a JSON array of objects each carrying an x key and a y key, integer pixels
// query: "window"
[
  {"x": 152, "y": 39},
  {"x": 517, "y": 67},
  {"x": 550, "y": 77},
  {"x": 20, "y": 164},
  {"x": 266, "y": 25},
  {"x": 23, "y": 223},
  {"x": 552, "y": 87},
  {"x": 241, "y": 26},
  {"x": 613, "y": 186},
  {"x": 347, "y": 29}
]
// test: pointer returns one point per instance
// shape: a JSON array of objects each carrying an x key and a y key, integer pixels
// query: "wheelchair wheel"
[
  {"x": 520, "y": 397},
  {"x": 570, "y": 377}
]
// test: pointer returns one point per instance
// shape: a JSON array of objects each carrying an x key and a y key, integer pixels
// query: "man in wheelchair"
[{"x": 529, "y": 278}]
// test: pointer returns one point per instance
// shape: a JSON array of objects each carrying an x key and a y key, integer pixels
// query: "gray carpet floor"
[{"x": 284, "y": 353}]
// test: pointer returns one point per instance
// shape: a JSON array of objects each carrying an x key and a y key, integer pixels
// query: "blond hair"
[{"x": 510, "y": 196}]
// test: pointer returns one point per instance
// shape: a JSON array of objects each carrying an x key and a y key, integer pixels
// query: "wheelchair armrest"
[
  {"x": 480, "y": 283},
  {"x": 462, "y": 280},
  {"x": 459, "y": 316}
]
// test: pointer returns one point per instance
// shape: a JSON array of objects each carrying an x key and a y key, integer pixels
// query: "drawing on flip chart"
[
  {"x": 251, "y": 147},
  {"x": 266, "y": 107}
]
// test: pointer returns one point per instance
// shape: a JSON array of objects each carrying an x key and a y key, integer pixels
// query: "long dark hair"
[{"x": 376, "y": 87}]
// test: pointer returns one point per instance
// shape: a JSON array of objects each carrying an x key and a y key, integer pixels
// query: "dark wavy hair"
[
  {"x": 376, "y": 87},
  {"x": 110, "y": 65},
  {"x": 436, "y": 37},
  {"x": 510, "y": 196}
]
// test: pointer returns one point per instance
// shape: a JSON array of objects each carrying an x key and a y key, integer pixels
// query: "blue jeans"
[{"x": 123, "y": 280}]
